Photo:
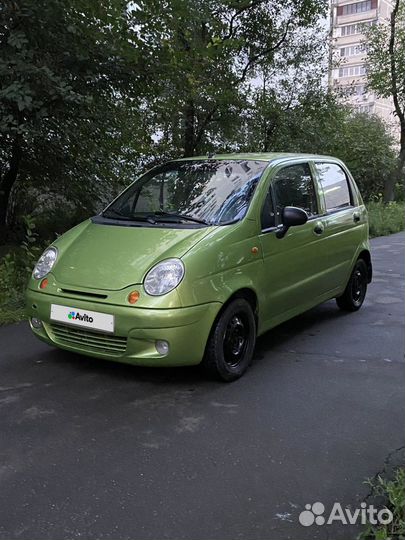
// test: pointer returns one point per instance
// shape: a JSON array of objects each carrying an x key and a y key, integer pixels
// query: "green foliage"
[
  {"x": 92, "y": 93},
  {"x": 368, "y": 152},
  {"x": 15, "y": 268},
  {"x": 386, "y": 218},
  {"x": 206, "y": 52},
  {"x": 319, "y": 124},
  {"x": 392, "y": 493},
  {"x": 71, "y": 81},
  {"x": 379, "y": 59},
  {"x": 385, "y": 46}
]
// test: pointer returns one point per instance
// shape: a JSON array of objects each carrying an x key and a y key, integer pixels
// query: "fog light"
[
  {"x": 36, "y": 323},
  {"x": 162, "y": 347}
]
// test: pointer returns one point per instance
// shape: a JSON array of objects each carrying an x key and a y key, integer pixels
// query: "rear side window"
[
  {"x": 335, "y": 186},
  {"x": 294, "y": 186}
]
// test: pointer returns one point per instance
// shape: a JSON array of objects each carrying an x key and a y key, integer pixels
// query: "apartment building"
[{"x": 348, "y": 72}]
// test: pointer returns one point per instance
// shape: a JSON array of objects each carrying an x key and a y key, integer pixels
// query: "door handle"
[
  {"x": 356, "y": 217},
  {"x": 319, "y": 228}
]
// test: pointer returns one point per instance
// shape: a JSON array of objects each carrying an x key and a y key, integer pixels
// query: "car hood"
[{"x": 110, "y": 257}]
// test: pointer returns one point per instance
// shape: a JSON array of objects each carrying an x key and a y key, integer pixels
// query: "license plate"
[{"x": 83, "y": 317}]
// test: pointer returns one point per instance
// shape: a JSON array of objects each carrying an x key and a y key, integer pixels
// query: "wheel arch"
[
  {"x": 366, "y": 257},
  {"x": 246, "y": 293}
]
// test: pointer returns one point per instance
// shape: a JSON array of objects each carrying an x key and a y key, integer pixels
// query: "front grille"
[
  {"x": 83, "y": 293},
  {"x": 92, "y": 341}
]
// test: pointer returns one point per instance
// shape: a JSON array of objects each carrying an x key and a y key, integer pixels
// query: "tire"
[
  {"x": 231, "y": 343},
  {"x": 353, "y": 297}
]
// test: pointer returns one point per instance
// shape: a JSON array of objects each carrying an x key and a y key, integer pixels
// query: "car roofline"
[{"x": 270, "y": 157}]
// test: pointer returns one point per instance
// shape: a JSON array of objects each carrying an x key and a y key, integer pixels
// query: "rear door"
[{"x": 343, "y": 219}]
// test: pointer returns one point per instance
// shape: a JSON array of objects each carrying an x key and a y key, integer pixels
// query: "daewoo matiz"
[{"x": 200, "y": 256}]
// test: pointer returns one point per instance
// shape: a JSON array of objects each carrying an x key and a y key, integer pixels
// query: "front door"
[{"x": 294, "y": 264}]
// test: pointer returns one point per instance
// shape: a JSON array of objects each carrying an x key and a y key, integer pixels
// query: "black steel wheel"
[
  {"x": 353, "y": 297},
  {"x": 232, "y": 340}
]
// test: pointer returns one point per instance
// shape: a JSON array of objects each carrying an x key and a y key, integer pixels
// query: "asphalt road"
[{"x": 97, "y": 450}]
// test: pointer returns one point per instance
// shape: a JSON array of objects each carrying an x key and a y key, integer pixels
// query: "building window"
[
  {"x": 358, "y": 7},
  {"x": 352, "y": 29},
  {"x": 356, "y": 90},
  {"x": 368, "y": 108},
  {"x": 352, "y": 71},
  {"x": 352, "y": 50}
]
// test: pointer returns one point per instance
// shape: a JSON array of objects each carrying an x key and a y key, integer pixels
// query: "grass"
[
  {"x": 386, "y": 218},
  {"x": 391, "y": 494},
  {"x": 12, "y": 288},
  {"x": 11, "y": 312}
]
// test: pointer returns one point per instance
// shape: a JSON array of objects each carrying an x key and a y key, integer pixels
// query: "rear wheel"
[
  {"x": 353, "y": 297},
  {"x": 231, "y": 343}
]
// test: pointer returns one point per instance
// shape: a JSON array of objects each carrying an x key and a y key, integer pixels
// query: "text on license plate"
[{"x": 82, "y": 317}]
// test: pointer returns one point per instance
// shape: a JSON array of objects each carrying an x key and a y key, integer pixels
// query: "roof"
[{"x": 260, "y": 156}]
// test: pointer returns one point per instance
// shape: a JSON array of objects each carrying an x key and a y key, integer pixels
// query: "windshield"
[{"x": 211, "y": 192}]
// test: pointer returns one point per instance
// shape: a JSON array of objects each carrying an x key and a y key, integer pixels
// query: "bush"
[
  {"x": 15, "y": 268},
  {"x": 392, "y": 495},
  {"x": 386, "y": 218}
]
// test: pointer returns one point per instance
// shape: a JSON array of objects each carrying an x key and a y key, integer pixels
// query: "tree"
[
  {"x": 319, "y": 124},
  {"x": 206, "y": 54},
  {"x": 385, "y": 44},
  {"x": 70, "y": 81}
]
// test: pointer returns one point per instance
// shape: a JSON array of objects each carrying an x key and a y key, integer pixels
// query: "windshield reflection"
[{"x": 212, "y": 192}]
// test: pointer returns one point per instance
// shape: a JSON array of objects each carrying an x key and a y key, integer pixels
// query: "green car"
[{"x": 199, "y": 256}]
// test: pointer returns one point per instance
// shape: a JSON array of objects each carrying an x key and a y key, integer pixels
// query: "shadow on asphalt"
[{"x": 310, "y": 322}]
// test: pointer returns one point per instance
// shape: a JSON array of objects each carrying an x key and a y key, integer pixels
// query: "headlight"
[
  {"x": 45, "y": 263},
  {"x": 164, "y": 277}
]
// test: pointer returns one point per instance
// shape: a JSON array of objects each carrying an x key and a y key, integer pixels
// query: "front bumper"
[{"x": 136, "y": 331}]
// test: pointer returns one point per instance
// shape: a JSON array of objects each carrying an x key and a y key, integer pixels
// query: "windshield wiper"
[
  {"x": 150, "y": 218},
  {"x": 120, "y": 215},
  {"x": 181, "y": 216},
  {"x": 115, "y": 212}
]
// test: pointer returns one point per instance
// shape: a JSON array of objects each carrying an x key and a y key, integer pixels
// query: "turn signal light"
[
  {"x": 133, "y": 297},
  {"x": 44, "y": 283}
]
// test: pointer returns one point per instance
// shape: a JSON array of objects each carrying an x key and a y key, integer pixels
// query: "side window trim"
[{"x": 273, "y": 227}]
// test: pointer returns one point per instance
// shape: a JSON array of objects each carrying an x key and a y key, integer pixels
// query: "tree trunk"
[
  {"x": 189, "y": 129},
  {"x": 389, "y": 189},
  {"x": 401, "y": 159},
  {"x": 6, "y": 185},
  {"x": 396, "y": 88},
  {"x": 399, "y": 175}
]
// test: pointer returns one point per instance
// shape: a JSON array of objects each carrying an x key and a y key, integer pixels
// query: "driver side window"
[{"x": 294, "y": 186}]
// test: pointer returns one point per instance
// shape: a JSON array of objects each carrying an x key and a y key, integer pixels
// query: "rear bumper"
[{"x": 136, "y": 331}]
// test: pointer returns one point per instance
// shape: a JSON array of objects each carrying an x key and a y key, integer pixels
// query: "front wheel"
[
  {"x": 353, "y": 297},
  {"x": 232, "y": 341}
]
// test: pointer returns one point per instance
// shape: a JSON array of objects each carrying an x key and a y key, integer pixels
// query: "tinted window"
[
  {"x": 335, "y": 186},
  {"x": 293, "y": 186}
]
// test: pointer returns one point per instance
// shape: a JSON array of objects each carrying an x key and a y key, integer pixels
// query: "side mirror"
[{"x": 291, "y": 217}]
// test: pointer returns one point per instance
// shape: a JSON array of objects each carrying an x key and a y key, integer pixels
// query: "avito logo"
[
  {"x": 73, "y": 316},
  {"x": 313, "y": 513}
]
